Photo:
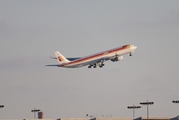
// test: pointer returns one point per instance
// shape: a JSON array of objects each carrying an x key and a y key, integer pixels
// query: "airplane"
[{"x": 95, "y": 60}]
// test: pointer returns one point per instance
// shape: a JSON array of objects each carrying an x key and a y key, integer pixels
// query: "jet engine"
[{"x": 117, "y": 58}]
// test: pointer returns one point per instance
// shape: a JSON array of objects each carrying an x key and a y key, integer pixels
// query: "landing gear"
[
  {"x": 130, "y": 54},
  {"x": 89, "y": 66},
  {"x": 101, "y": 65}
]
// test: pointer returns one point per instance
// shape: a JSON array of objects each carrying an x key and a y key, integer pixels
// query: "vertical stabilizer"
[{"x": 61, "y": 59}]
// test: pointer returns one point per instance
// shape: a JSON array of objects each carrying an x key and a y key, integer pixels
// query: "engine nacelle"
[{"x": 118, "y": 58}]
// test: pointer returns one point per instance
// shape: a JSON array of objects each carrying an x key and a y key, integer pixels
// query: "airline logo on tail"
[{"x": 60, "y": 58}]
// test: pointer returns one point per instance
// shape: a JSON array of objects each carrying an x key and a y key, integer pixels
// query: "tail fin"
[{"x": 61, "y": 59}]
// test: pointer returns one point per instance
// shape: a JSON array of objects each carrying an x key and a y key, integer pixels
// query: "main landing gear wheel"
[{"x": 101, "y": 65}]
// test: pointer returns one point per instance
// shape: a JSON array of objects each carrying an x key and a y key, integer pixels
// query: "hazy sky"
[{"x": 30, "y": 32}]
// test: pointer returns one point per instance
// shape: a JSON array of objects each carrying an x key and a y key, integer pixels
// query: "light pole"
[
  {"x": 133, "y": 107},
  {"x": 147, "y": 103},
  {"x": 34, "y": 111},
  {"x": 175, "y": 101},
  {"x": 87, "y": 115},
  {"x": 1, "y": 106}
]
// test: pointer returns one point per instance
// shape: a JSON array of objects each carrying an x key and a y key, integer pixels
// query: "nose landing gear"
[{"x": 130, "y": 54}]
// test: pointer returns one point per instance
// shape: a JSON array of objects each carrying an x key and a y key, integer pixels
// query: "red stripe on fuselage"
[{"x": 97, "y": 55}]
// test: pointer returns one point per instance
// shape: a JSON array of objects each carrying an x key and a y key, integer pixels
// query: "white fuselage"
[{"x": 95, "y": 58}]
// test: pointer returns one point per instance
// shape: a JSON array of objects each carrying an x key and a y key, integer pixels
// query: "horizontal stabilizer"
[{"x": 52, "y": 65}]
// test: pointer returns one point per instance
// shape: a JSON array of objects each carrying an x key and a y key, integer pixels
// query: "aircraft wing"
[
  {"x": 103, "y": 59},
  {"x": 100, "y": 62},
  {"x": 53, "y": 65},
  {"x": 70, "y": 59}
]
